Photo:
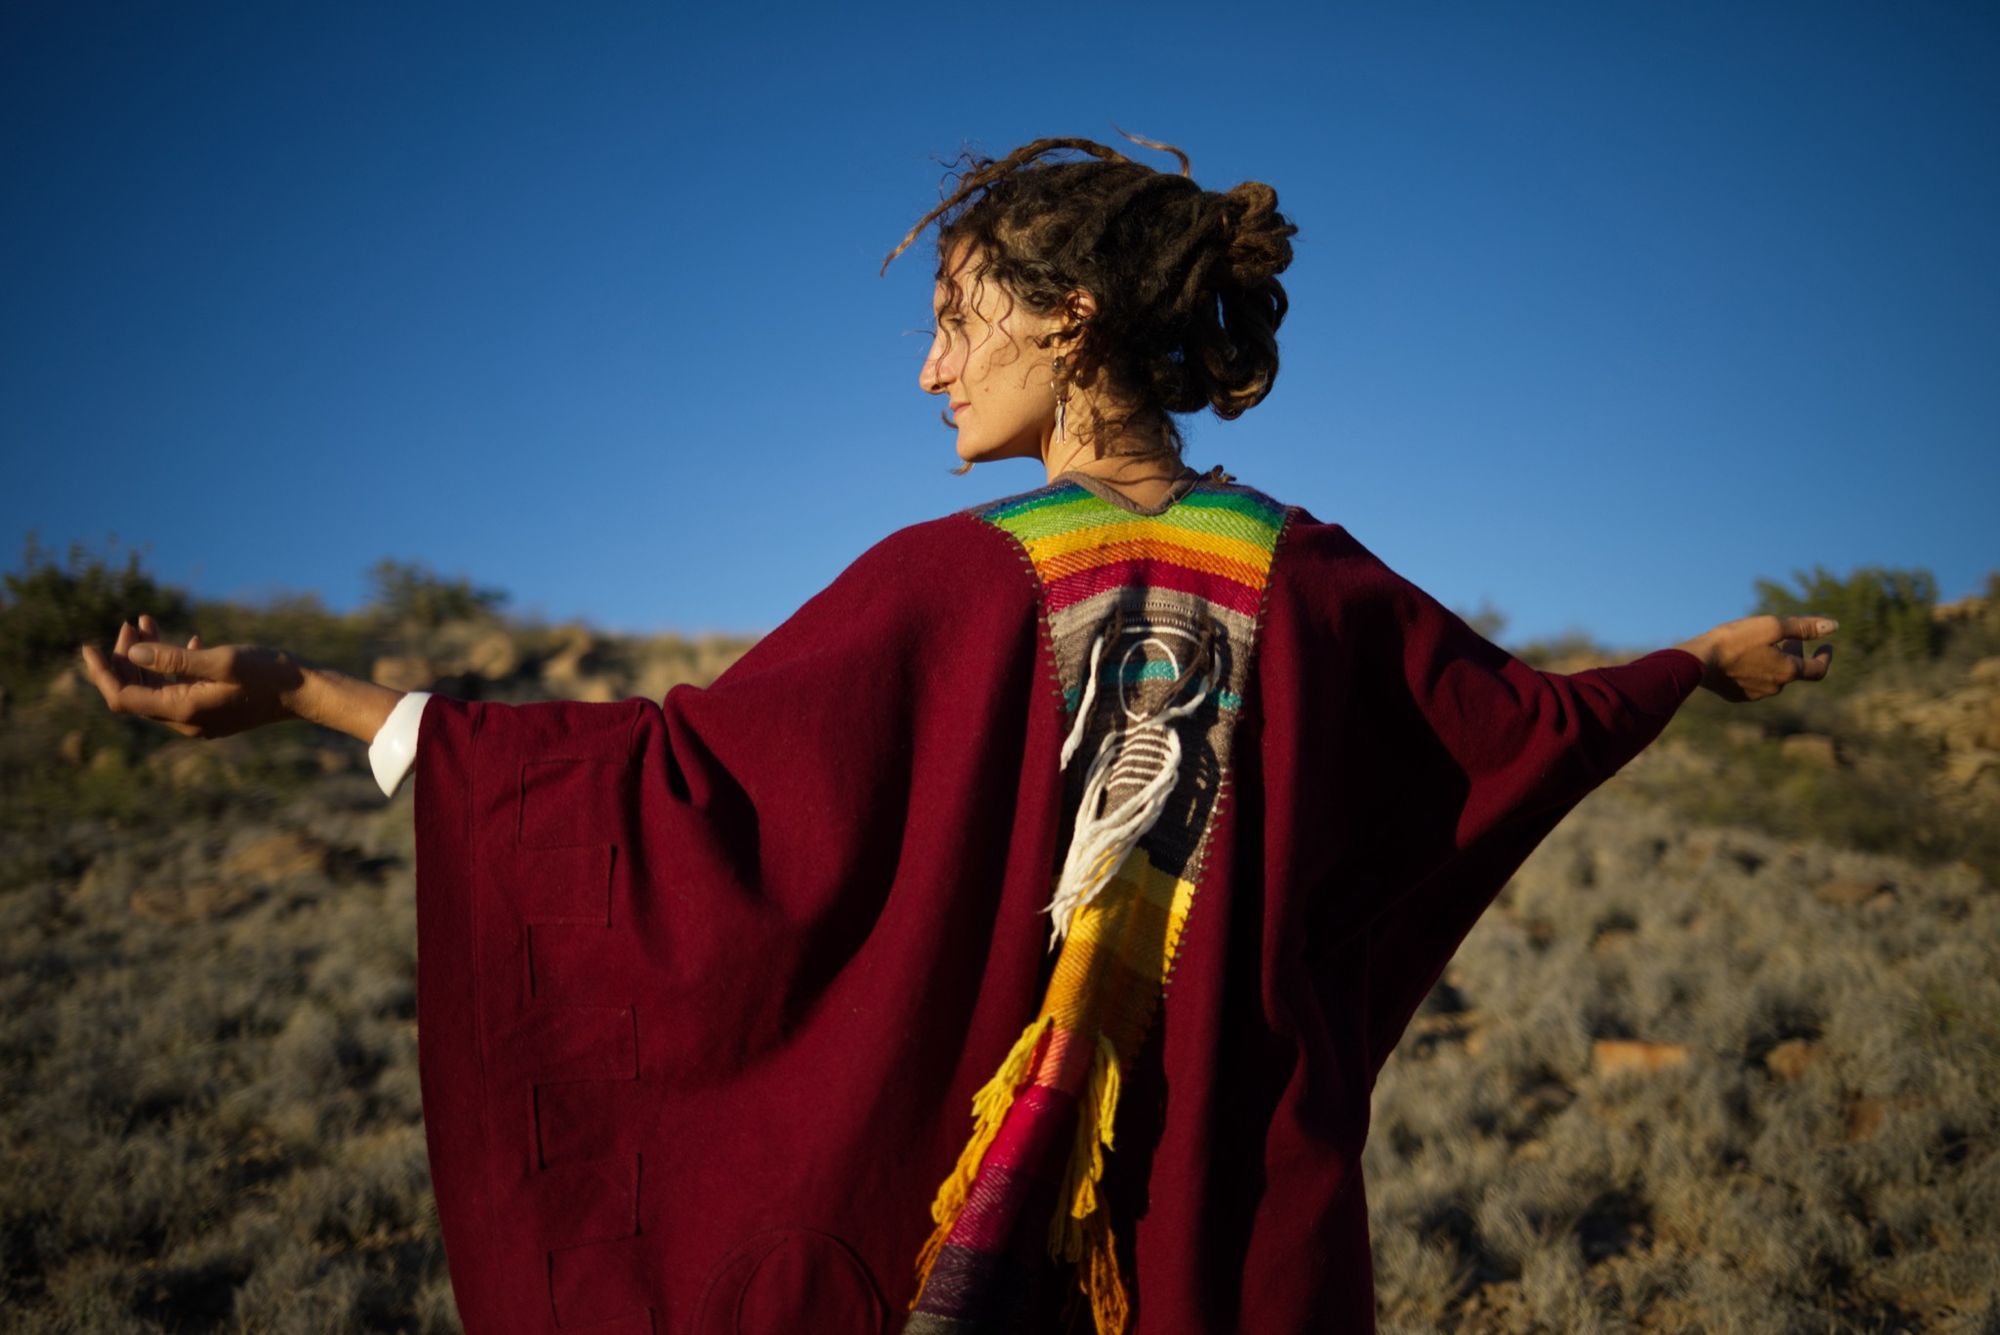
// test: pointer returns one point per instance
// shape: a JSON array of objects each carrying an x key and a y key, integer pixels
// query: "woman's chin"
[{"x": 973, "y": 450}]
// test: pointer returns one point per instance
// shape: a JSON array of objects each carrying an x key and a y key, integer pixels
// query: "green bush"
[
  {"x": 296, "y": 622},
  {"x": 411, "y": 596},
  {"x": 50, "y": 608},
  {"x": 1880, "y": 611}
]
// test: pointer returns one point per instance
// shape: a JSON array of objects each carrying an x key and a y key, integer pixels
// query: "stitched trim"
[{"x": 1225, "y": 779}]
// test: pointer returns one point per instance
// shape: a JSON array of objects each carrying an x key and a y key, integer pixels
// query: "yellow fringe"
[
  {"x": 1109, "y": 1305},
  {"x": 1081, "y": 1229},
  {"x": 989, "y": 1109}
]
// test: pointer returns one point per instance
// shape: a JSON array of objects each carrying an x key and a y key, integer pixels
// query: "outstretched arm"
[{"x": 202, "y": 692}]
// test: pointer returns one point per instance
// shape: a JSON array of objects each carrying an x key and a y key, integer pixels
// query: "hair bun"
[{"x": 1258, "y": 236}]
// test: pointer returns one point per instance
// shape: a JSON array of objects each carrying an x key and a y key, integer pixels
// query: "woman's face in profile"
[{"x": 983, "y": 358}]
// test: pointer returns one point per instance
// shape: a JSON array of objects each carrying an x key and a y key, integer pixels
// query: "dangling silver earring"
[{"x": 1062, "y": 394}]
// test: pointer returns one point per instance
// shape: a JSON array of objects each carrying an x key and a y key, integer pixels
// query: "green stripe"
[{"x": 1235, "y": 517}]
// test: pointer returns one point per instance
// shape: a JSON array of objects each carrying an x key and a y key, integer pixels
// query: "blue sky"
[{"x": 1599, "y": 311}]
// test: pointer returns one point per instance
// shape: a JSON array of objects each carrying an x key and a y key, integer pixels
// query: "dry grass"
[
  {"x": 212, "y": 1122},
  {"x": 1819, "y": 1157}
]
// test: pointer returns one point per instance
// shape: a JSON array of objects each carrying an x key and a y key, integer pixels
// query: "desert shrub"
[
  {"x": 51, "y": 607},
  {"x": 300, "y": 623},
  {"x": 411, "y": 596},
  {"x": 1488, "y": 621},
  {"x": 1881, "y": 611}
]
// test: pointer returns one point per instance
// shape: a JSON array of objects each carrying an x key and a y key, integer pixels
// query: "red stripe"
[
  {"x": 1221, "y": 591},
  {"x": 1035, "y": 1134}
]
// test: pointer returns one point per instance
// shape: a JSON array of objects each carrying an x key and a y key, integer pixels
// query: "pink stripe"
[
  {"x": 1065, "y": 1061},
  {"x": 1034, "y": 1133},
  {"x": 1030, "y": 1127},
  {"x": 1218, "y": 589}
]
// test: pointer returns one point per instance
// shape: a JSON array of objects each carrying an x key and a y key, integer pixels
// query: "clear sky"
[{"x": 1600, "y": 311}]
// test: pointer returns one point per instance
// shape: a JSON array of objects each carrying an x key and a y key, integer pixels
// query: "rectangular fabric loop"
[
  {"x": 579, "y": 1043},
  {"x": 563, "y": 803},
  {"x": 595, "y": 1200},
  {"x": 570, "y": 885}
]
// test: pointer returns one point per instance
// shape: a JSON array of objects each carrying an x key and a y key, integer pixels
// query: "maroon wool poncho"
[{"x": 705, "y": 987}]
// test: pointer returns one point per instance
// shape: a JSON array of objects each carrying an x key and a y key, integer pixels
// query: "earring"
[{"x": 1062, "y": 392}]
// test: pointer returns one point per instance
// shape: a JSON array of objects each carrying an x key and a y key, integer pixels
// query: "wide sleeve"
[
  {"x": 696, "y": 976},
  {"x": 1456, "y": 759}
]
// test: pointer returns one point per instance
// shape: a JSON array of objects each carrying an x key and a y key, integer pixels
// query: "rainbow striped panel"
[{"x": 1215, "y": 543}]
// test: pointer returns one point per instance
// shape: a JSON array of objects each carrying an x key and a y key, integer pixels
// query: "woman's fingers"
[
  {"x": 98, "y": 671},
  {"x": 1805, "y": 627},
  {"x": 1821, "y": 663},
  {"x": 205, "y": 664}
]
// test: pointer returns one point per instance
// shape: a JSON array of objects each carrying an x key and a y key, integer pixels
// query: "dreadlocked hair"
[{"x": 1185, "y": 280}]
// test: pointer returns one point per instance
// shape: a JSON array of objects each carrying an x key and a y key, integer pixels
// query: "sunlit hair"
[{"x": 1185, "y": 280}]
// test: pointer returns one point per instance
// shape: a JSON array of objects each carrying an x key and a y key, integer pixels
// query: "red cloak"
[{"x": 705, "y": 987}]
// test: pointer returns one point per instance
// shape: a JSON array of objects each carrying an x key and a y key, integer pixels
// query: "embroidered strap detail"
[{"x": 1153, "y": 619}]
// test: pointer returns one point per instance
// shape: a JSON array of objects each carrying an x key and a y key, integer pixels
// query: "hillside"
[{"x": 1725, "y": 1056}]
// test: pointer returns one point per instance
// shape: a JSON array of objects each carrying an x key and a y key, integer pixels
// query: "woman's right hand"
[
  {"x": 195, "y": 691},
  {"x": 1756, "y": 657}
]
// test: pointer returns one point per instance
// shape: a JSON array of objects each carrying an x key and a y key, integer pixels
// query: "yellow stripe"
[
  {"x": 1248, "y": 554},
  {"x": 1135, "y": 920}
]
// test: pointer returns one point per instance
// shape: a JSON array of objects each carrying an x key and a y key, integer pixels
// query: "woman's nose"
[{"x": 931, "y": 377}]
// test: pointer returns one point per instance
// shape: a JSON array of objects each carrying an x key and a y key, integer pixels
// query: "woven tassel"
[
  {"x": 1105, "y": 1287},
  {"x": 1081, "y": 1229},
  {"x": 989, "y": 1110}
]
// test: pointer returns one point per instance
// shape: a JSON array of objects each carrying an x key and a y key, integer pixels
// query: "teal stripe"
[{"x": 1226, "y": 698}]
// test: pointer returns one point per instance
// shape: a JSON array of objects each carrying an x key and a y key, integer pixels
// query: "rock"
[
  {"x": 1743, "y": 734},
  {"x": 1964, "y": 718},
  {"x": 1972, "y": 607},
  {"x": 276, "y": 857},
  {"x": 186, "y": 765},
  {"x": 181, "y": 904},
  {"x": 1615, "y": 1056},
  {"x": 1810, "y": 748},
  {"x": 1612, "y": 941},
  {"x": 70, "y": 748},
  {"x": 1865, "y": 1117},
  {"x": 1789, "y": 1060},
  {"x": 1842, "y": 893},
  {"x": 1965, "y": 769},
  {"x": 412, "y": 673},
  {"x": 332, "y": 760},
  {"x": 494, "y": 657},
  {"x": 580, "y": 670},
  {"x": 69, "y": 683},
  {"x": 108, "y": 761}
]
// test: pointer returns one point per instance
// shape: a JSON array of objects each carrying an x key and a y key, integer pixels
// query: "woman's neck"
[{"x": 1146, "y": 481}]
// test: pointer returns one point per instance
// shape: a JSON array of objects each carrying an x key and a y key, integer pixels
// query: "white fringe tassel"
[{"x": 1104, "y": 839}]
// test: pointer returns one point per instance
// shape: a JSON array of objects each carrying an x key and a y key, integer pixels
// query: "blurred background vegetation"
[{"x": 207, "y": 982}]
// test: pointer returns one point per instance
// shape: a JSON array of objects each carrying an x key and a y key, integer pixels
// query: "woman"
[{"x": 1137, "y": 812}]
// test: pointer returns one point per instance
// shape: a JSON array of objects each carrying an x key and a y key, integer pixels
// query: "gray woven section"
[{"x": 1159, "y": 632}]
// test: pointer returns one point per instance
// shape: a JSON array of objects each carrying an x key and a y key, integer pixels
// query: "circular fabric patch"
[{"x": 788, "y": 1280}]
